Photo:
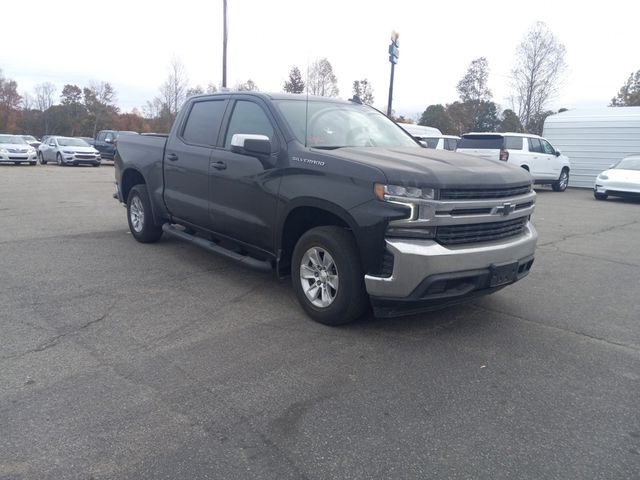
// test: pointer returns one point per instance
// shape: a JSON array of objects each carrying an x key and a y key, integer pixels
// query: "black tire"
[
  {"x": 143, "y": 227},
  {"x": 349, "y": 299},
  {"x": 563, "y": 181},
  {"x": 41, "y": 158},
  {"x": 59, "y": 160},
  {"x": 96, "y": 164},
  {"x": 600, "y": 196}
]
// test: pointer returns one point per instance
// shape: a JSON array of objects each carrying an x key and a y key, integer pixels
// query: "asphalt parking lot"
[{"x": 123, "y": 360}]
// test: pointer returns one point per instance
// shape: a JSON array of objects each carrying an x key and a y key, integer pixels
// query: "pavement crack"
[
  {"x": 55, "y": 340},
  {"x": 586, "y": 234},
  {"x": 627, "y": 346}
]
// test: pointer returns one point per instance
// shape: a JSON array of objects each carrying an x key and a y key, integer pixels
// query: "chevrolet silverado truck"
[{"x": 333, "y": 194}]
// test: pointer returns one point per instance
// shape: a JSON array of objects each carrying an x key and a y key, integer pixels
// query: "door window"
[
  {"x": 248, "y": 118},
  {"x": 535, "y": 145},
  {"x": 203, "y": 124},
  {"x": 101, "y": 137},
  {"x": 548, "y": 149},
  {"x": 450, "y": 144}
]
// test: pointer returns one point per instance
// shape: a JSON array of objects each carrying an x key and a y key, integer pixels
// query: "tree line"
[{"x": 84, "y": 110}]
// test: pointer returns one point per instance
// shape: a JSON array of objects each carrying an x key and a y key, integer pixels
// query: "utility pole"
[
  {"x": 224, "y": 45},
  {"x": 393, "y": 58}
]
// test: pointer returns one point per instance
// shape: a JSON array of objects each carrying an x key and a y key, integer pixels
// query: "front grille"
[
  {"x": 482, "y": 193},
  {"x": 480, "y": 232},
  {"x": 85, "y": 157},
  {"x": 21, "y": 157}
]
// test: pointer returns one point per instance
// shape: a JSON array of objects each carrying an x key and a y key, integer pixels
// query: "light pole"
[
  {"x": 394, "y": 52},
  {"x": 224, "y": 45}
]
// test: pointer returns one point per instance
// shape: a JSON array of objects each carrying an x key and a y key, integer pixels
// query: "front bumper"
[
  {"x": 617, "y": 189},
  {"x": 428, "y": 275},
  {"x": 18, "y": 157}
]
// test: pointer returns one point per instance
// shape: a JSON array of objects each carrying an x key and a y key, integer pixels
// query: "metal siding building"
[{"x": 594, "y": 139}]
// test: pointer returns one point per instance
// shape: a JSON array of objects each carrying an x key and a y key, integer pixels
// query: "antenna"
[{"x": 306, "y": 109}]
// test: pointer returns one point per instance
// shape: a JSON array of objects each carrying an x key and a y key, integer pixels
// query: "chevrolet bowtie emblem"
[{"x": 505, "y": 209}]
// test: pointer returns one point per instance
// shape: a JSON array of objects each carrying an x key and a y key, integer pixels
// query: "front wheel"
[
  {"x": 140, "y": 216},
  {"x": 563, "y": 181},
  {"x": 327, "y": 276},
  {"x": 600, "y": 196},
  {"x": 59, "y": 160},
  {"x": 41, "y": 158}
]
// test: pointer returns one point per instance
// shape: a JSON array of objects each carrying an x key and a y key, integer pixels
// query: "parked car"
[
  {"x": 621, "y": 180},
  {"x": 107, "y": 142},
  {"x": 14, "y": 149},
  {"x": 68, "y": 151},
  {"x": 531, "y": 152},
  {"x": 440, "y": 142},
  {"x": 333, "y": 194},
  {"x": 31, "y": 140}
]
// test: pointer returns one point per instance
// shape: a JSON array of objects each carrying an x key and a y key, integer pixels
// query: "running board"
[{"x": 262, "y": 265}]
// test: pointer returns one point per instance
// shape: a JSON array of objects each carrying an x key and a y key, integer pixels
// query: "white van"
[
  {"x": 531, "y": 152},
  {"x": 431, "y": 137}
]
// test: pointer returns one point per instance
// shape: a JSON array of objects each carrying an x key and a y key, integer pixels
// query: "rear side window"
[
  {"x": 203, "y": 123},
  {"x": 487, "y": 142},
  {"x": 249, "y": 118},
  {"x": 513, "y": 143},
  {"x": 450, "y": 144},
  {"x": 101, "y": 136},
  {"x": 535, "y": 145},
  {"x": 431, "y": 142}
]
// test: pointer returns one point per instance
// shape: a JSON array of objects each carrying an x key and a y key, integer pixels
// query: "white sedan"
[
  {"x": 14, "y": 149},
  {"x": 621, "y": 180}
]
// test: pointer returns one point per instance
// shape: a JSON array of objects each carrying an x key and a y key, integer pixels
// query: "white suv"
[{"x": 531, "y": 152}]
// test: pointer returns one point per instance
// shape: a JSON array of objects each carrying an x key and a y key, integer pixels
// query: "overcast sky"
[{"x": 130, "y": 44}]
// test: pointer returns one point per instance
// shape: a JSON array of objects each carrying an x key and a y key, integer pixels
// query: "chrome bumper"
[{"x": 416, "y": 260}]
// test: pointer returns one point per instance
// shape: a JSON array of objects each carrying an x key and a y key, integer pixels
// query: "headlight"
[
  {"x": 400, "y": 193},
  {"x": 67, "y": 151},
  {"x": 603, "y": 177},
  {"x": 4, "y": 150},
  {"x": 31, "y": 151}
]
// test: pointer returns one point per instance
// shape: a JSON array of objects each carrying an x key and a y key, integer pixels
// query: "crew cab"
[{"x": 334, "y": 194}]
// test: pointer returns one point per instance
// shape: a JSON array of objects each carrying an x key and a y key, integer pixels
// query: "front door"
[{"x": 243, "y": 187}]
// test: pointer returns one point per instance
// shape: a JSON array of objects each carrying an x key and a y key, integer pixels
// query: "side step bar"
[{"x": 262, "y": 265}]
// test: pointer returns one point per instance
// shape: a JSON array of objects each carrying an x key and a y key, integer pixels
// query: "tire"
[
  {"x": 140, "y": 216},
  {"x": 600, "y": 196},
  {"x": 59, "y": 160},
  {"x": 563, "y": 181},
  {"x": 41, "y": 159},
  {"x": 96, "y": 164},
  {"x": 16, "y": 163},
  {"x": 329, "y": 255}
]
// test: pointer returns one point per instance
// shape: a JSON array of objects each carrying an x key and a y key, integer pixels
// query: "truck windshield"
[{"x": 336, "y": 125}]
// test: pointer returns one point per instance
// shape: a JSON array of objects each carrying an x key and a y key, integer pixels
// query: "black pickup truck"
[{"x": 334, "y": 194}]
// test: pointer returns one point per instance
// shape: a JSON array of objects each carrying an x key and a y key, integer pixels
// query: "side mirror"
[
  {"x": 252, "y": 144},
  {"x": 108, "y": 140},
  {"x": 558, "y": 153}
]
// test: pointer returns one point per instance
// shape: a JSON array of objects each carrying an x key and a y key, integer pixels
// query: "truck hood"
[{"x": 424, "y": 167}]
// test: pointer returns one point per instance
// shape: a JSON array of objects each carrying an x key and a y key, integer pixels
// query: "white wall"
[{"x": 594, "y": 139}]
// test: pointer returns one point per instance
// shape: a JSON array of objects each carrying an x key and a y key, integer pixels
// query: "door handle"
[
  {"x": 219, "y": 165},
  {"x": 172, "y": 157}
]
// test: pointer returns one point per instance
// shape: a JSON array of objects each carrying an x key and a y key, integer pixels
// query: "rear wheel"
[
  {"x": 327, "y": 276},
  {"x": 563, "y": 181},
  {"x": 140, "y": 216}
]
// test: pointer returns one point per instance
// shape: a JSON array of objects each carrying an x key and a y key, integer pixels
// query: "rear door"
[
  {"x": 243, "y": 187},
  {"x": 485, "y": 146},
  {"x": 186, "y": 161}
]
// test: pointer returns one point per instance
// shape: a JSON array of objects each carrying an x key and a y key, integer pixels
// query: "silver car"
[
  {"x": 68, "y": 151},
  {"x": 14, "y": 149}
]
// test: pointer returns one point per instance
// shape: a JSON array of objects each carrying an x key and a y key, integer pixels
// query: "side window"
[
  {"x": 248, "y": 117},
  {"x": 109, "y": 136},
  {"x": 548, "y": 149},
  {"x": 450, "y": 144},
  {"x": 431, "y": 142},
  {"x": 101, "y": 137},
  {"x": 203, "y": 123},
  {"x": 535, "y": 145},
  {"x": 513, "y": 143}
]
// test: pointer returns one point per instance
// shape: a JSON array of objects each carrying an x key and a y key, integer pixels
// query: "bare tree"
[
  {"x": 363, "y": 90},
  {"x": 322, "y": 81},
  {"x": 44, "y": 95},
  {"x": 537, "y": 74},
  {"x": 27, "y": 101},
  {"x": 248, "y": 86},
  {"x": 173, "y": 91},
  {"x": 211, "y": 88},
  {"x": 473, "y": 86}
]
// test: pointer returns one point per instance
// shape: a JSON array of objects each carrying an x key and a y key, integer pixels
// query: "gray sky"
[{"x": 130, "y": 44}]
